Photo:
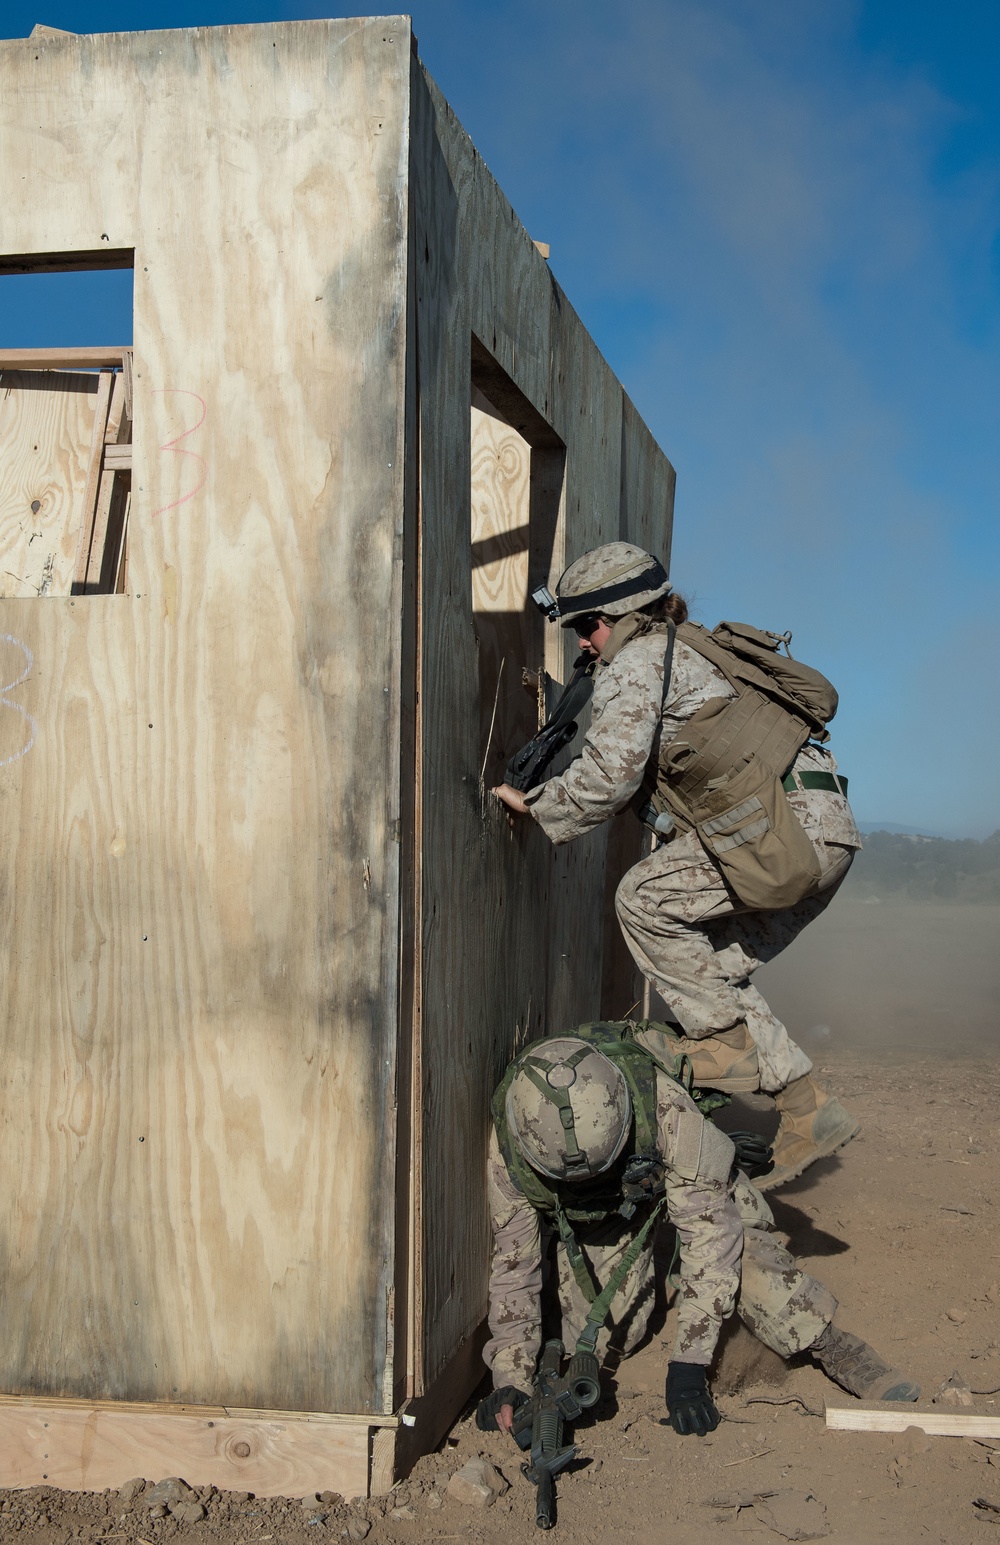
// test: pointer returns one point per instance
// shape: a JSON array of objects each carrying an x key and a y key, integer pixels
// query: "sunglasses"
[{"x": 583, "y": 627}]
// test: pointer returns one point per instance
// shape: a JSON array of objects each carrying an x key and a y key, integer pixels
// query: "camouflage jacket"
[
  {"x": 703, "y": 1212},
  {"x": 629, "y": 719}
]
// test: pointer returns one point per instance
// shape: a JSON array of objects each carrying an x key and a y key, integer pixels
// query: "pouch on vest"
[{"x": 753, "y": 834}]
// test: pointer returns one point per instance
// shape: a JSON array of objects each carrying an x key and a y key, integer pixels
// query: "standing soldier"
[
  {"x": 717, "y": 897},
  {"x": 594, "y": 1138}
]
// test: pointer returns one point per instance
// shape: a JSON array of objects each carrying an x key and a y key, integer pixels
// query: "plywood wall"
[
  {"x": 250, "y": 880},
  {"x": 510, "y": 931},
  {"x": 200, "y": 779}
]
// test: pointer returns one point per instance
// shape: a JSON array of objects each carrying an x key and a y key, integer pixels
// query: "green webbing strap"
[
  {"x": 559, "y": 1097},
  {"x": 601, "y": 1305},
  {"x": 581, "y": 1270},
  {"x": 833, "y": 783}
]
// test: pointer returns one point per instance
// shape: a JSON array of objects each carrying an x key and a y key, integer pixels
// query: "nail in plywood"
[{"x": 894, "y": 1416}]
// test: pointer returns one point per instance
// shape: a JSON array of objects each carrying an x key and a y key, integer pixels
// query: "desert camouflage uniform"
[
  {"x": 723, "y": 1232},
  {"x": 690, "y": 935}
]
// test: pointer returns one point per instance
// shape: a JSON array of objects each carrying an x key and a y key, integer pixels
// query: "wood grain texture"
[
  {"x": 199, "y": 868},
  {"x": 510, "y": 931},
  {"x": 893, "y": 1416},
  {"x": 89, "y": 1447},
  {"x": 47, "y": 424},
  {"x": 61, "y": 359},
  {"x": 208, "y": 956},
  {"x": 508, "y": 629}
]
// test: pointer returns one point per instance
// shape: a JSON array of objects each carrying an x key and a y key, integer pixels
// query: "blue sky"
[{"x": 779, "y": 219}]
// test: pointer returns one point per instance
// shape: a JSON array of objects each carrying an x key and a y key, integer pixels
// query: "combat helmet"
[
  {"x": 568, "y": 1109},
  {"x": 614, "y": 579}
]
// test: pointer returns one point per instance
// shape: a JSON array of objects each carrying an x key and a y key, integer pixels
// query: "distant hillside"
[
  {"x": 864, "y": 827},
  {"x": 901, "y": 866}
]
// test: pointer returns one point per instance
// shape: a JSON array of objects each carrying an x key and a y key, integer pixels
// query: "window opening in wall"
[
  {"x": 65, "y": 426},
  {"x": 518, "y": 465}
]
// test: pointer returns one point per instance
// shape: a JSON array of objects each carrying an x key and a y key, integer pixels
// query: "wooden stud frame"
[{"x": 99, "y": 516}]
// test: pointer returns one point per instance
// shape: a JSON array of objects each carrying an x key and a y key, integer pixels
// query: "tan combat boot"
[
  {"x": 726, "y": 1060},
  {"x": 857, "y": 1367},
  {"x": 813, "y": 1124}
]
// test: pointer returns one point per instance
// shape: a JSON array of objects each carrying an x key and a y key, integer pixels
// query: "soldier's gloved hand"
[
  {"x": 689, "y": 1405},
  {"x": 754, "y": 1156},
  {"x": 490, "y": 1406}
]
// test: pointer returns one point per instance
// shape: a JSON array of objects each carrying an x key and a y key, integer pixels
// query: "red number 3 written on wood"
[{"x": 175, "y": 447}]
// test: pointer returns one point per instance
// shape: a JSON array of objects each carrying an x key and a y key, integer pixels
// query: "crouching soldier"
[{"x": 596, "y": 1137}]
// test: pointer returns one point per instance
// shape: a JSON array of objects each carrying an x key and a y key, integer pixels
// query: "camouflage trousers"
[
  {"x": 698, "y": 946},
  {"x": 784, "y": 1307}
]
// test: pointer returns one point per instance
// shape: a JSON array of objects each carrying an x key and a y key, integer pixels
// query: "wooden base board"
[
  {"x": 426, "y": 1418},
  {"x": 87, "y": 1446},
  {"x": 896, "y": 1416}
]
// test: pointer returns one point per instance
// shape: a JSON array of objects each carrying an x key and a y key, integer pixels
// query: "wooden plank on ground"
[
  {"x": 895, "y": 1416},
  {"x": 88, "y": 1447}
]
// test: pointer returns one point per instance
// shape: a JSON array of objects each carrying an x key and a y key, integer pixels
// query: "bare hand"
[
  {"x": 505, "y": 1418},
  {"x": 512, "y": 798}
]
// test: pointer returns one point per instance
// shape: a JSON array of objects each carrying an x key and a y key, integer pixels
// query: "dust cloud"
[{"x": 891, "y": 977}]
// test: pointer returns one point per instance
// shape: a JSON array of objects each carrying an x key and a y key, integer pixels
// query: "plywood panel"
[
  {"x": 501, "y": 478},
  {"x": 512, "y": 930},
  {"x": 199, "y": 866},
  {"x": 646, "y": 509},
  {"x": 46, "y": 425},
  {"x": 507, "y": 627},
  {"x": 82, "y": 1447},
  {"x": 482, "y": 976}
]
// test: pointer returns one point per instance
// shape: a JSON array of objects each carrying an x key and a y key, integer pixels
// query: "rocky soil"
[{"x": 903, "y": 1227}]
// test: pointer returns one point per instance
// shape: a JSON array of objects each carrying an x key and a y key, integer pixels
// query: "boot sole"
[{"x": 823, "y": 1150}]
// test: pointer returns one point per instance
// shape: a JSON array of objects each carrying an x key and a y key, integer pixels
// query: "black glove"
[
  {"x": 488, "y": 1408},
  {"x": 689, "y": 1405},
  {"x": 754, "y": 1156}
]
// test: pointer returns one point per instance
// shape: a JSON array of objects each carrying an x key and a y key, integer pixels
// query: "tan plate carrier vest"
[{"x": 721, "y": 774}]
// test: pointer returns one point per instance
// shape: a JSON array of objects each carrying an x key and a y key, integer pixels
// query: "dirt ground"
[
  {"x": 903, "y": 1228},
  {"x": 897, "y": 1004}
]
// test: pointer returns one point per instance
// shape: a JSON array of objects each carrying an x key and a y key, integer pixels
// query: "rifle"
[
  {"x": 528, "y": 766},
  {"x": 538, "y": 1423}
]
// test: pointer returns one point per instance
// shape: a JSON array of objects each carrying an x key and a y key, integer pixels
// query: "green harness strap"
[{"x": 601, "y": 1306}]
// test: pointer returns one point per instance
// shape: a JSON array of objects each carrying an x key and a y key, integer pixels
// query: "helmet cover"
[
  {"x": 568, "y": 1109},
  {"x": 614, "y": 579}
]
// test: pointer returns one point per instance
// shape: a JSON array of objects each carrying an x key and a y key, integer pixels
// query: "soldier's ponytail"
[{"x": 669, "y": 608}]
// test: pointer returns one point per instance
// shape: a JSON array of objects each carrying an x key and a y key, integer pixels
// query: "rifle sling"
[
  {"x": 574, "y": 695},
  {"x": 600, "y": 1302},
  {"x": 601, "y": 1307}
]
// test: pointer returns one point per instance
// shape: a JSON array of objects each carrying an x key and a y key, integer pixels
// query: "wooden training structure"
[{"x": 264, "y": 613}]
